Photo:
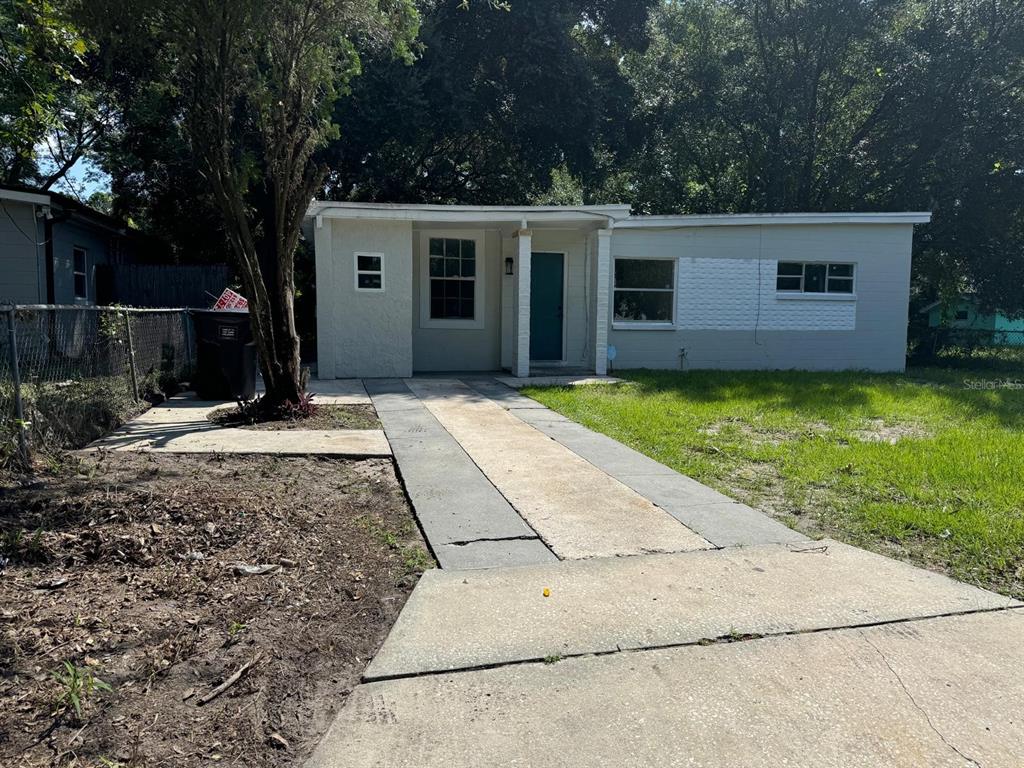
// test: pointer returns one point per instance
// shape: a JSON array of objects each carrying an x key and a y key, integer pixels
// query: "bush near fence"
[
  {"x": 84, "y": 370},
  {"x": 969, "y": 348}
]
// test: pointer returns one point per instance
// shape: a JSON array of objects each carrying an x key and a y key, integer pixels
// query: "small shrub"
[{"x": 77, "y": 685}]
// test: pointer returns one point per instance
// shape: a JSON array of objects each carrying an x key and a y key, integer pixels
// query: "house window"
[
  {"x": 644, "y": 291},
  {"x": 80, "y": 270},
  {"x": 961, "y": 314},
  {"x": 814, "y": 277},
  {"x": 370, "y": 272},
  {"x": 452, "y": 278}
]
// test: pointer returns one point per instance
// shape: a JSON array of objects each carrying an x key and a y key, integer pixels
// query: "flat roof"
[
  {"x": 617, "y": 216},
  {"x": 759, "y": 219}
]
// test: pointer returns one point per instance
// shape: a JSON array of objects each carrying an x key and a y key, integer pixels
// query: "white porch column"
[
  {"x": 521, "y": 354},
  {"x": 601, "y": 301}
]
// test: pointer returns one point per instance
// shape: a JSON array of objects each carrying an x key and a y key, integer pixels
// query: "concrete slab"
[
  {"x": 342, "y": 443},
  {"x": 339, "y": 392},
  {"x": 578, "y": 510},
  {"x": 493, "y": 554},
  {"x": 503, "y": 394},
  {"x": 452, "y": 499},
  {"x": 555, "y": 381},
  {"x": 711, "y": 514},
  {"x": 390, "y": 395},
  {"x": 597, "y": 606},
  {"x": 941, "y": 692},
  {"x": 182, "y": 425}
]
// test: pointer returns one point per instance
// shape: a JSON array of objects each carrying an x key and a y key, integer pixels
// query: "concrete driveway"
[{"x": 595, "y": 608}]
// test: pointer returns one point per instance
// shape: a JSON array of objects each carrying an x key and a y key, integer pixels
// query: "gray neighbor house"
[
  {"x": 405, "y": 289},
  {"x": 51, "y": 247}
]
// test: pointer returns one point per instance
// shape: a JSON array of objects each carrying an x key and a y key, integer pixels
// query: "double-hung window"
[
  {"x": 814, "y": 277},
  {"x": 453, "y": 274},
  {"x": 80, "y": 272},
  {"x": 644, "y": 291},
  {"x": 370, "y": 272}
]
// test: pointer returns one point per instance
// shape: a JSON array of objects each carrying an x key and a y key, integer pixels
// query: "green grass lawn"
[{"x": 922, "y": 466}]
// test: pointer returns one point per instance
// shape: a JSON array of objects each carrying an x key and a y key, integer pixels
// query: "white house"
[{"x": 419, "y": 288}]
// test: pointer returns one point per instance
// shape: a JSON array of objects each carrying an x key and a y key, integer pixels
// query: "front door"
[{"x": 547, "y": 275}]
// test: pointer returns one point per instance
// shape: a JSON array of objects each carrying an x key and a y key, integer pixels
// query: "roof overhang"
[
  {"x": 24, "y": 197},
  {"x": 763, "y": 219},
  {"x": 525, "y": 216}
]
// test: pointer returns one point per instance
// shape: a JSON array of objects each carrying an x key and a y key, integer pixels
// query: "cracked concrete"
[
  {"x": 753, "y": 654},
  {"x": 822, "y": 699},
  {"x": 455, "y": 621}
]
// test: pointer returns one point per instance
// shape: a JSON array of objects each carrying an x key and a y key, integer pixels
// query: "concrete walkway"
[
  {"x": 182, "y": 425},
  {"x": 576, "y": 508},
  {"x": 740, "y": 644},
  {"x": 466, "y": 520}
]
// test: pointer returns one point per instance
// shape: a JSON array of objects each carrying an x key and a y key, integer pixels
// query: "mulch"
[
  {"x": 323, "y": 417},
  {"x": 134, "y": 568}
]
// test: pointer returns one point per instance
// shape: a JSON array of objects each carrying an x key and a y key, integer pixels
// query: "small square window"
[
  {"x": 369, "y": 272},
  {"x": 961, "y": 314}
]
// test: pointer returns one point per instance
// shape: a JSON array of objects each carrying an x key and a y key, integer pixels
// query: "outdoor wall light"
[{"x": 508, "y": 265}]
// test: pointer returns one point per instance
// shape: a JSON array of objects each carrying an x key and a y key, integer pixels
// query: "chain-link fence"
[
  {"x": 969, "y": 347},
  {"x": 68, "y": 375}
]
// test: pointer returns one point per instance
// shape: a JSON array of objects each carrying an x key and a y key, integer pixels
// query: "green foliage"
[
  {"x": 494, "y": 102},
  {"x": 927, "y": 464},
  {"x": 47, "y": 99},
  {"x": 755, "y": 105},
  {"x": 76, "y": 687}
]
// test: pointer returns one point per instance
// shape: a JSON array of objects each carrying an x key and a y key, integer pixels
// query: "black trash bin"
[{"x": 225, "y": 355}]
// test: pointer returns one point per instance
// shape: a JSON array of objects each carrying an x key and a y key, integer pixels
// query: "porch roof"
[{"x": 524, "y": 216}]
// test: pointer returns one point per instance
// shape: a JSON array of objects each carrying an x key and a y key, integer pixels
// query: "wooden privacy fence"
[{"x": 160, "y": 285}]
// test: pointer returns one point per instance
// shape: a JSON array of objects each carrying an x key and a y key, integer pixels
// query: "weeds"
[
  {"x": 16, "y": 547},
  {"x": 77, "y": 685}
]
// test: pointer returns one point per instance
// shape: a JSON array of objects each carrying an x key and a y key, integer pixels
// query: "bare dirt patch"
[
  {"x": 880, "y": 431},
  {"x": 323, "y": 417},
  {"x": 758, "y": 435},
  {"x": 132, "y": 568}
]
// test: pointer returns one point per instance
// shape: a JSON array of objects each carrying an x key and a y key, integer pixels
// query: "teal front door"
[{"x": 547, "y": 275}]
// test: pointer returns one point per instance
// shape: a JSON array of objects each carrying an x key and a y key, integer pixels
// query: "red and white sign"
[{"x": 231, "y": 300}]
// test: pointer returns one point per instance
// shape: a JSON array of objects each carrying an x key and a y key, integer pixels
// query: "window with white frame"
[
  {"x": 814, "y": 277},
  {"x": 80, "y": 272},
  {"x": 452, "y": 270},
  {"x": 644, "y": 291},
  {"x": 370, "y": 272}
]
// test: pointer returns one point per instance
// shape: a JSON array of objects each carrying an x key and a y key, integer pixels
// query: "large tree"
[
  {"x": 493, "y": 105},
  {"x": 776, "y": 105},
  {"x": 256, "y": 82}
]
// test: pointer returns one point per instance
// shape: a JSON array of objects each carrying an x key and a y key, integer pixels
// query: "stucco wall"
[
  {"x": 21, "y": 259},
  {"x": 728, "y": 315},
  {"x": 460, "y": 349},
  {"x": 360, "y": 333}
]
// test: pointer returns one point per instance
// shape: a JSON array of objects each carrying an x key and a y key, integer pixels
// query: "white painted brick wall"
[{"x": 722, "y": 294}]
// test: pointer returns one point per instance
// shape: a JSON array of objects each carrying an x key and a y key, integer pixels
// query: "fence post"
[
  {"x": 186, "y": 321},
  {"x": 19, "y": 408},
  {"x": 131, "y": 356}
]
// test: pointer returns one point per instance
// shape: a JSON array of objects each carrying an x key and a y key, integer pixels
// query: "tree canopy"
[{"x": 680, "y": 106}]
